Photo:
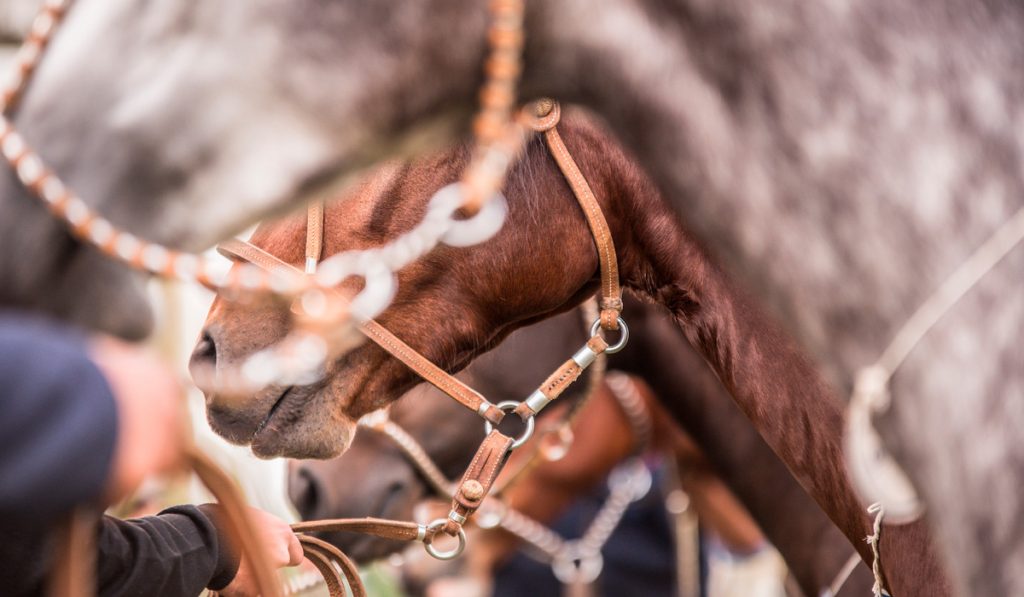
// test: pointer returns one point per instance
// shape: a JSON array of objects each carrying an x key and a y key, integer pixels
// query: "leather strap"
[
  {"x": 431, "y": 373},
  {"x": 561, "y": 379},
  {"x": 476, "y": 483},
  {"x": 386, "y": 529},
  {"x": 548, "y": 114},
  {"x": 314, "y": 235},
  {"x": 241, "y": 250},
  {"x": 325, "y": 557},
  {"x": 240, "y": 529}
]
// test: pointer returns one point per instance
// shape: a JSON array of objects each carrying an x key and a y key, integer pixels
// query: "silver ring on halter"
[
  {"x": 476, "y": 229},
  {"x": 451, "y": 553},
  {"x": 509, "y": 406},
  {"x": 623, "y": 335}
]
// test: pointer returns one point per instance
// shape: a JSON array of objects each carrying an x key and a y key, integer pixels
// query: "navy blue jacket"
[{"x": 58, "y": 427}]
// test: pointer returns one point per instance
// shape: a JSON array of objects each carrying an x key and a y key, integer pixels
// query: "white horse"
[{"x": 841, "y": 158}]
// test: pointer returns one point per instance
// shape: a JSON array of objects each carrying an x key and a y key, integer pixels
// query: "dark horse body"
[
  {"x": 543, "y": 262},
  {"x": 813, "y": 548},
  {"x": 840, "y": 158}
]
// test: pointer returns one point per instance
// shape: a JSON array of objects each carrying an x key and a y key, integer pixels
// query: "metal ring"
[
  {"x": 509, "y": 406},
  {"x": 623, "y": 335},
  {"x": 451, "y": 553}
]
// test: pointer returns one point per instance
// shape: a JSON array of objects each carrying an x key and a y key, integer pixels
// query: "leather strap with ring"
[
  {"x": 239, "y": 250},
  {"x": 547, "y": 114},
  {"x": 494, "y": 451}
]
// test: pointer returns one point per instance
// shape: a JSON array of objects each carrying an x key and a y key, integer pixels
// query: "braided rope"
[{"x": 499, "y": 138}]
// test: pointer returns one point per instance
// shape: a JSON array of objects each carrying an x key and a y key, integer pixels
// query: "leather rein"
[{"x": 493, "y": 453}]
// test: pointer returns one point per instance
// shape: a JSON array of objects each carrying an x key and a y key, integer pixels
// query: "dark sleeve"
[
  {"x": 58, "y": 425},
  {"x": 178, "y": 552}
]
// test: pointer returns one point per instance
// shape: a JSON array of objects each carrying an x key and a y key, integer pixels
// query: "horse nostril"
[
  {"x": 205, "y": 350},
  {"x": 306, "y": 493},
  {"x": 392, "y": 498}
]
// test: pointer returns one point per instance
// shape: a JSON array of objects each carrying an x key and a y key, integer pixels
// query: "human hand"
[
  {"x": 283, "y": 549},
  {"x": 150, "y": 422}
]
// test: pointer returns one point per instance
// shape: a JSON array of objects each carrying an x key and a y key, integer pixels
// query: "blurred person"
[{"x": 82, "y": 422}]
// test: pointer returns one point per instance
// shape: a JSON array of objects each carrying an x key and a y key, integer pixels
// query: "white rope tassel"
[{"x": 873, "y": 540}]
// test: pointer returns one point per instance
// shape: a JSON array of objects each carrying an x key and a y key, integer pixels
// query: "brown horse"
[
  {"x": 813, "y": 548},
  {"x": 457, "y": 303},
  {"x": 841, "y": 158}
]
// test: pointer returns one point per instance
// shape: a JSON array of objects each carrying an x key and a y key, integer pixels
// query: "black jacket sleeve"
[{"x": 176, "y": 553}]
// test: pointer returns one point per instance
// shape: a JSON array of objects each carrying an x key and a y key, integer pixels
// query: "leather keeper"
[{"x": 490, "y": 458}]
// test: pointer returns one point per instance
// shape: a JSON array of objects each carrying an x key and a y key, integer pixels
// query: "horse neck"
[
  {"x": 696, "y": 399},
  {"x": 769, "y": 377}
]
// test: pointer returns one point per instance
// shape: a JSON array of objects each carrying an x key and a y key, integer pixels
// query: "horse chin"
[
  {"x": 293, "y": 421},
  {"x": 305, "y": 439}
]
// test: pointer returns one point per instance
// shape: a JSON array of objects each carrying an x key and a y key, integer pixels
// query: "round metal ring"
[
  {"x": 509, "y": 406},
  {"x": 451, "y": 553},
  {"x": 623, "y": 335},
  {"x": 476, "y": 229}
]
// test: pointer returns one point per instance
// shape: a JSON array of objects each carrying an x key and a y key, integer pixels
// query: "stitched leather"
[
  {"x": 322, "y": 554},
  {"x": 241, "y": 250},
  {"x": 611, "y": 293},
  {"x": 314, "y": 231},
  {"x": 386, "y": 529},
  {"x": 487, "y": 463}
]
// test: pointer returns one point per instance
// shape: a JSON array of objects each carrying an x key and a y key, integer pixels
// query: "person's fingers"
[{"x": 295, "y": 556}]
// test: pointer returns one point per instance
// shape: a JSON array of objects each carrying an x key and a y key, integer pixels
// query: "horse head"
[{"x": 451, "y": 306}]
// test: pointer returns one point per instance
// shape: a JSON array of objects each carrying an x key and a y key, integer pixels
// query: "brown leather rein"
[{"x": 493, "y": 453}]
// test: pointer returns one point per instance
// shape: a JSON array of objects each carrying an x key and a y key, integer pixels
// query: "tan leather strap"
[
  {"x": 561, "y": 379},
  {"x": 476, "y": 483},
  {"x": 548, "y": 113},
  {"x": 325, "y": 557},
  {"x": 431, "y": 373},
  {"x": 240, "y": 529},
  {"x": 241, "y": 250},
  {"x": 378, "y": 527},
  {"x": 314, "y": 235},
  {"x": 321, "y": 560}
]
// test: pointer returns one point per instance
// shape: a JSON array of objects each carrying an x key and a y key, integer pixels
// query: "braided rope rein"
[{"x": 499, "y": 140}]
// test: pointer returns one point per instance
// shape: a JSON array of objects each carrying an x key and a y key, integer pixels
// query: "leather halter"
[
  {"x": 611, "y": 293},
  {"x": 493, "y": 453}
]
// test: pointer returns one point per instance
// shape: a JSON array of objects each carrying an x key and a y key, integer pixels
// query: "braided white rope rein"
[
  {"x": 874, "y": 539},
  {"x": 874, "y": 472},
  {"x": 301, "y": 356}
]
